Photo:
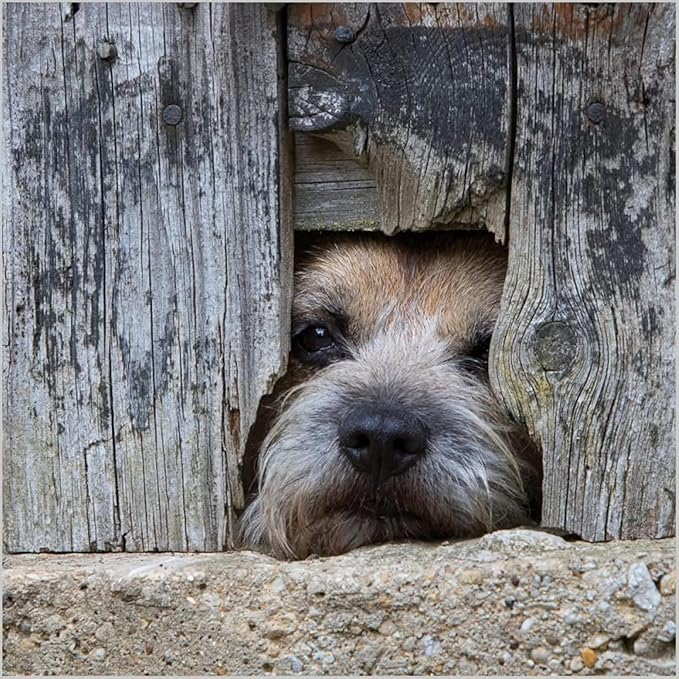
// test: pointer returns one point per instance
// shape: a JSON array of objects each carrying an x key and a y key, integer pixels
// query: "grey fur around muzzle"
[{"x": 466, "y": 480}]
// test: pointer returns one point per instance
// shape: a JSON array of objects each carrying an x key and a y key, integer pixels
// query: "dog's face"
[{"x": 388, "y": 428}]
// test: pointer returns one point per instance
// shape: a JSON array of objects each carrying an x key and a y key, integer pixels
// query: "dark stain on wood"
[
  {"x": 141, "y": 321},
  {"x": 592, "y": 246},
  {"x": 428, "y": 90}
]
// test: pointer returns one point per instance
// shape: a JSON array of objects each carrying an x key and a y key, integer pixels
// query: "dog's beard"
[{"x": 468, "y": 482}]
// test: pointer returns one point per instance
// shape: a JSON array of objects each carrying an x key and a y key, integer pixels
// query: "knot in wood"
[
  {"x": 344, "y": 34},
  {"x": 555, "y": 345},
  {"x": 172, "y": 115},
  {"x": 107, "y": 50},
  {"x": 596, "y": 112}
]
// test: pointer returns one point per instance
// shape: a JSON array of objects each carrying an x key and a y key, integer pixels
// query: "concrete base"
[{"x": 512, "y": 602}]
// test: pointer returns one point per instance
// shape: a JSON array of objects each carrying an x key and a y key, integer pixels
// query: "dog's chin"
[
  {"x": 344, "y": 530},
  {"x": 332, "y": 509},
  {"x": 342, "y": 527}
]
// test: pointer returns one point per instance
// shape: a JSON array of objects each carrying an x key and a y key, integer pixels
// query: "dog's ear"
[
  {"x": 310, "y": 244},
  {"x": 306, "y": 241}
]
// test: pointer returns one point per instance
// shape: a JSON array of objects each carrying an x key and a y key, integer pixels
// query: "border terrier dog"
[{"x": 386, "y": 427}]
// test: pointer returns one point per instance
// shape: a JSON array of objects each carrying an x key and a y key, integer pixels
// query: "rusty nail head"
[
  {"x": 344, "y": 34},
  {"x": 596, "y": 112},
  {"x": 172, "y": 115},
  {"x": 107, "y": 50}
]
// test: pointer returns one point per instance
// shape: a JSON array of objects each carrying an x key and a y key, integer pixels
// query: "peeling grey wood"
[
  {"x": 584, "y": 351},
  {"x": 334, "y": 190},
  {"x": 424, "y": 90},
  {"x": 146, "y": 277}
]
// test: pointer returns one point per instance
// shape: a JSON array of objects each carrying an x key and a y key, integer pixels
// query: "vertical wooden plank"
[
  {"x": 257, "y": 204},
  {"x": 150, "y": 260},
  {"x": 59, "y": 476},
  {"x": 584, "y": 351}
]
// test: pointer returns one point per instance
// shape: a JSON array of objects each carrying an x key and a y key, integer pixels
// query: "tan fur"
[
  {"x": 456, "y": 277},
  {"x": 411, "y": 309}
]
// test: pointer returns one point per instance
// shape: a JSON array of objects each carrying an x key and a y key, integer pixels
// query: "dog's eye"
[
  {"x": 315, "y": 338},
  {"x": 476, "y": 357},
  {"x": 319, "y": 344}
]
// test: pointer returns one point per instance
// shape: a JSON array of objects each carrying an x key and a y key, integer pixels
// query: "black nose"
[{"x": 380, "y": 442}]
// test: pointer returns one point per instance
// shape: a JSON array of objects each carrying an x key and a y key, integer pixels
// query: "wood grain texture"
[
  {"x": 146, "y": 277},
  {"x": 424, "y": 90},
  {"x": 334, "y": 190},
  {"x": 584, "y": 350}
]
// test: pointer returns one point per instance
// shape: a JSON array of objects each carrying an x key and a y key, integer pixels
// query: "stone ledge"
[{"x": 512, "y": 602}]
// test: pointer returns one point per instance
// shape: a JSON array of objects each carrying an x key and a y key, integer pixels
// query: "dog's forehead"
[{"x": 456, "y": 279}]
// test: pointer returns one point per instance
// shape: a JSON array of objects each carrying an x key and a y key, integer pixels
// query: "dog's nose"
[{"x": 381, "y": 443}]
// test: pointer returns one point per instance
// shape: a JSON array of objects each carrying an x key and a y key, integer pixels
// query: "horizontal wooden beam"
[
  {"x": 424, "y": 91},
  {"x": 334, "y": 190}
]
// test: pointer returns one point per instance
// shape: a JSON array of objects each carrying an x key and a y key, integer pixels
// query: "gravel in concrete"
[{"x": 512, "y": 602}]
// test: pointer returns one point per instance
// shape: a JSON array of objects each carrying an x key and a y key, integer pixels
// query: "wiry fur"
[{"x": 406, "y": 351}]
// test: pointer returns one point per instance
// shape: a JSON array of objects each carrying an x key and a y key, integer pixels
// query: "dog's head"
[{"x": 388, "y": 428}]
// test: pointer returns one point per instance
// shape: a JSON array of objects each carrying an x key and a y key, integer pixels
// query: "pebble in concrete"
[
  {"x": 392, "y": 609},
  {"x": 642, "y": 587}
]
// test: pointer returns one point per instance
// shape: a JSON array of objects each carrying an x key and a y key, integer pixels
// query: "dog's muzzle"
[{"x": 381, "y": 442}]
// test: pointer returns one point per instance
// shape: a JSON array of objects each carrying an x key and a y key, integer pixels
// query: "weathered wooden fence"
[
  {"x": 147, "y": 217},
  {"x": 145, "y": 242}
]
